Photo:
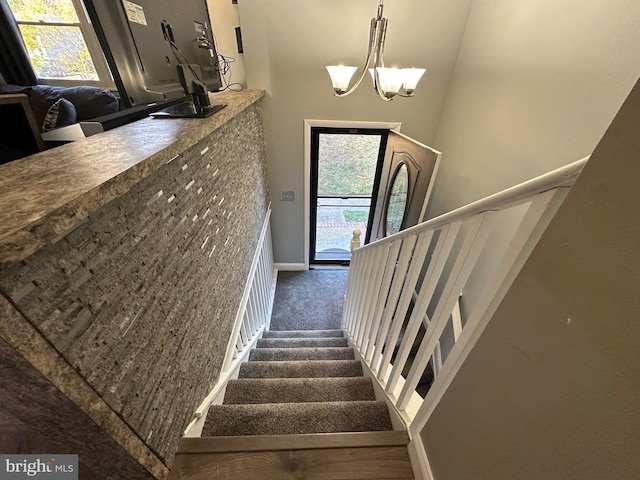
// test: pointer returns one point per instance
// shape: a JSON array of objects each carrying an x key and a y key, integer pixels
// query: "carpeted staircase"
[
  {"x": 298, "y": 382},
  {"x": 300, "y": 409}
]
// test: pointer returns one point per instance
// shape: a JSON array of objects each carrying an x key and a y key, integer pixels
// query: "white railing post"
[
  {"x": 392, "y": 249},
  {"x": 240, "y": 329},
  {"x": 369, "y": 268},
  {"x": 408, "y": 288},
  {"x": 406, "y": 250},
  {"x": 448, "y": 235},
  {"x": 478, "y": 230},
  {"x": 355, "y": 240},
  {"x": 373, "y": 290}
]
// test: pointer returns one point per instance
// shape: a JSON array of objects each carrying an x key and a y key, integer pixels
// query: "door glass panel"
[
  {"x": 397, "y": 201},
  {"x": 346, "y": 174}
]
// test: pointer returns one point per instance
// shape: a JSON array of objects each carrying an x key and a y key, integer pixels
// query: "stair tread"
[
  {"x": 353, "y": 463},
  {"x": 300, "y": 369},
  {"x": 288, "y": 390},
  {"x": 311, "y": 342},
  {"x": 302, "y": 333},
  {"x": 296, "y": 418},
  {"x": 302, "y": 353},
  {"x": 254, "y": 443}
]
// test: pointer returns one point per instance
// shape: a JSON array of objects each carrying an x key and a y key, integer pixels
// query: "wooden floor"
[{"x": 364, "y": 456}]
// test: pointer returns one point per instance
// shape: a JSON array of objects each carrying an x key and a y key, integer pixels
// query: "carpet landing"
[
  {"x": 309, "y": 300},
  {"x": 298, "y": 383}
]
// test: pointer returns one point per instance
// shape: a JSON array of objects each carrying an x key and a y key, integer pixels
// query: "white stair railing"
[
  {"x": 415, "y": 278},
  {"x": 254, "y": 312},
  {"x": 252, "y": 319}
]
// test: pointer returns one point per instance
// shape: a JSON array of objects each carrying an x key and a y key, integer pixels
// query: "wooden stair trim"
[
  {"x": 369, "y": 463},
  {"x": 257, "y": 443}
]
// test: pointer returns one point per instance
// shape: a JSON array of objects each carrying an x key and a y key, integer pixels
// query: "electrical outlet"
[{"x": 287, "y": 196}]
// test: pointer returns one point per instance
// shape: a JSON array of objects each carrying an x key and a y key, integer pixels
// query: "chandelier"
[{"x": 387, "y": 82}]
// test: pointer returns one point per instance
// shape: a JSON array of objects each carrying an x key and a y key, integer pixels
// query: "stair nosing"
[
  {"x": 300, "y": 348},
  {"x": 305, "y": 441},
  {"x": 262, "y": 341},
  {"x": 332, "y": 330},
  {"x": 275, "y": 379},
  {"x": 302, "y": 353},
  {"x": 259, "y": 367},
  {"x": 273, "y": 361}
]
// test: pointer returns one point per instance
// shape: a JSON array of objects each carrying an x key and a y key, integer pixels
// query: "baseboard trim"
[
  {"x": 419, "y": 460},
  {"x": 290, "y": 267}
]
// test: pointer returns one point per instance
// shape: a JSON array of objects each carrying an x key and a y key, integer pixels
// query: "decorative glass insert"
[{"x": 397, "y": 200}]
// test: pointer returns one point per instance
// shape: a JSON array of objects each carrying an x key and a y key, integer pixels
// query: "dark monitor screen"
[{"x": 147, "y": 44}]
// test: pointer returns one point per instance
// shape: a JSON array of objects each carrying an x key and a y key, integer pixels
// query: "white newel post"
[{"x": 355, "y": 241}]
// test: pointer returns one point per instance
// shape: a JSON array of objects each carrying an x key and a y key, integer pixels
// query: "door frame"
[{"x": 308, "y": 124}]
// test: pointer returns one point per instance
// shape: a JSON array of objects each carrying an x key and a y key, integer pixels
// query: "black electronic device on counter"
[{"x": 188, "y": 109}]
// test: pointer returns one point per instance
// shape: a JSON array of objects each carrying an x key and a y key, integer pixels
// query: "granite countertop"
[{"x": 46, "y": 195}]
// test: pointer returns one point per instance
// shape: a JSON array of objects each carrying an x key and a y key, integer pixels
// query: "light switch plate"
[{"x": 287, "y": 196}]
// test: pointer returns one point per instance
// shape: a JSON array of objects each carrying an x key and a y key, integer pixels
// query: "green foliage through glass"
[
  {"x": 347, "y": 164},
  {"x": 56, "y": 51}
]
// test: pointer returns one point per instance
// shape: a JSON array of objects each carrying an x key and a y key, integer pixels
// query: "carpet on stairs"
[
  {"x": 301, "y": 369},
  {"x": 299, "y": 384}
]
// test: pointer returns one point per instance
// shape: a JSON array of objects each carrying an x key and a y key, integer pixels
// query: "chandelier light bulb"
[
  {"x": 391, "y": 80},
  {"x": 340, "y": 77},
  {"x": 411, "y": 78}
]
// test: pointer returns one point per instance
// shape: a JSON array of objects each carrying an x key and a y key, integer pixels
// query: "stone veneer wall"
[{"x": 141, "y": 298}]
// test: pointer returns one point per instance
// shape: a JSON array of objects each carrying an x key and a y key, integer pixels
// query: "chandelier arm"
[
  {"x": 370, "y": 52},
  {"x": 381, "y": 25},
  {"x": 381, "y": 35},
  {"x": 379, "y": 90}
]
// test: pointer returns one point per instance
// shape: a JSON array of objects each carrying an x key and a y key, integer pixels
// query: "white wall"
[
  {"x": 551, "y": 389},
  {"x": 287, "y": 45},
  {"x": 224, "y": 20},
  {"x": 535, "y": 86}
]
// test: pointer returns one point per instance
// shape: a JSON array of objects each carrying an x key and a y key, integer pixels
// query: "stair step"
[
  {"x": 258, "y": 443},
  {"x": 289, "y": 390},
  {"x": 302, "y": 342},
  {"x": 302, "y": 333},
  {"x": 296, "y": 418},
  {"x": 285, "y": 354},
  {"x": 301, "y": 369},
  {"x": 353, "y": 455}
]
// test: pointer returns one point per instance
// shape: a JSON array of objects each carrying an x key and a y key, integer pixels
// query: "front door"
[
  {"x": 404, "y": 188},
  {"x": 345, "y": 163}
]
